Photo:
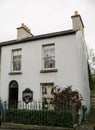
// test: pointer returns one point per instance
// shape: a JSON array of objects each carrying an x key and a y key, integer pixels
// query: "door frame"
[{"x": 13, "y": 99}]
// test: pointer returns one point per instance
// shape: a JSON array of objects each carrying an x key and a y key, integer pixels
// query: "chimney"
[
  {"x": 77, "y": 22},
  {"x": 23, "y": 32}
]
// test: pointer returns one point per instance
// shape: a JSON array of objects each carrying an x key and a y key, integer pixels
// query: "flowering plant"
[{"x": 67, "y": 97}]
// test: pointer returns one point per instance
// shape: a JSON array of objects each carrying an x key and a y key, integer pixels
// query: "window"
[
  {"x": 16, "y": 60},
  {"x": 47, "y": 95},
  {"x": 48, "y": 56},
  {"x": 47, "y": 89}
]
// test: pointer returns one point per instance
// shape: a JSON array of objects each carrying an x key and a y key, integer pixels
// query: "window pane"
[
  {"x": 52, "y": 52},
  {"x": 52, "y": 63},
  {"x": 13, "y": 84},
  {"x": 19, "y": 57},
  {"x": 46, "y": 52},
  {"x": 18, "y": 65},
  {"x": 46, "y": 62},
  {"x": 14, "y": 66},
  {"x": 44, "y": 90},
  {"x": 14, "y": 57}
]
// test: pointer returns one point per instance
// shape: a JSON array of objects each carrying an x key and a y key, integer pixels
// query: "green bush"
[
  {"x": 91, "y": 116},
  {"x": 40, "y": 117}
]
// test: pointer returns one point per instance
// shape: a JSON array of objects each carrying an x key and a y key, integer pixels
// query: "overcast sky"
[{"x": 45, "y": 16}]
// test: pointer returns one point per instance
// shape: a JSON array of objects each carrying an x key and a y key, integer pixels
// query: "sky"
[{"x": 46, "y": 16}]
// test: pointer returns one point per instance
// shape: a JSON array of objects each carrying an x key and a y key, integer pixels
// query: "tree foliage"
[
  {"x": 66, "y": 97},
  {"x": 91, "y": 60},
  {"x": 91, "y": 68}
]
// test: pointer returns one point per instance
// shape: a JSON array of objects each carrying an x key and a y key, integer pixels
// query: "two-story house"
[{"x": 40, "y": 62}]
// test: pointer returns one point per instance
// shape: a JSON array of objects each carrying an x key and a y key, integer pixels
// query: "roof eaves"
[{"x": 38, "y": 37}]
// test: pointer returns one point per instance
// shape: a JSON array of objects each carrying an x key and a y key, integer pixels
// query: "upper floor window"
[
  {"x": 48, "y": 56},
  {"x": 16, "y": 60}
]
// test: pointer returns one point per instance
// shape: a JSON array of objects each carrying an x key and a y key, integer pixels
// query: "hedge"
[{"x": 40, "y": 117}]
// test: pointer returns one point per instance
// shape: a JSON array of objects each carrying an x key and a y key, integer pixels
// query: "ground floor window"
[{"x": 47, "y": 95}]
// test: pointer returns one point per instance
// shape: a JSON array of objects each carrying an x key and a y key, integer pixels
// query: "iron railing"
[{"x": 19, "y": 112}]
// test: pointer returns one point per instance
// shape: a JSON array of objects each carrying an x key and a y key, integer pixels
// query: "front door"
[{"x": 13, "y": 94}]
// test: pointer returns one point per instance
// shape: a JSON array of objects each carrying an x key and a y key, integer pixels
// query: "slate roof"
[{"x": 38, "y": 37}]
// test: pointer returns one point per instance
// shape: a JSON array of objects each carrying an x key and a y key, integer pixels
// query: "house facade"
[{"x": 38, "y": 63}]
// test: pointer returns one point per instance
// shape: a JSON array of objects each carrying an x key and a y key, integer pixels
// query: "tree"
[
  {"x": 66, "y": 97},
  {"x": 91, "y": 60},
  {"x": 91, "y": 68}
]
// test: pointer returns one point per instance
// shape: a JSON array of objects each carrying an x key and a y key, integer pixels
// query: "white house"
[{"x": 41, "y": 62}]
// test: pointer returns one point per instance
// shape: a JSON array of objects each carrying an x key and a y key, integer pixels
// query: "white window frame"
[
  {"x": 50, "y": 59},
  {"x": 48, "y": 90},
  {"x": 16, "y": 52}
]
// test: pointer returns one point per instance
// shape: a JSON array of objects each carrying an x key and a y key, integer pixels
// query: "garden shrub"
[
  {"x": 91, "y": 116},
  {"x": 40, "y": 117}
]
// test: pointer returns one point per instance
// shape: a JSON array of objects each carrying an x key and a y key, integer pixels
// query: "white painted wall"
[
  {"x": 71, "y": 62},
  {"x": 83, "y": 68}
]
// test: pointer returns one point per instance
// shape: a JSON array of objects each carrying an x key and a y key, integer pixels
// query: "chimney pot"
[
  {"x": 76, "y": 12},
  {"x": 25, "y": 27},
  {"x": 22, "y": 24}
]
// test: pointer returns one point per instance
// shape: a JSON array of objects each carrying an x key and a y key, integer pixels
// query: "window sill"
[
  {"x": 15, "y": 73},
  {"x": 48, "y": 70}
]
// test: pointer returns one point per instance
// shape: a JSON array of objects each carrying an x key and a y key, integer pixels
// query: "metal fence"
[{"x": 36, "y": 106}]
